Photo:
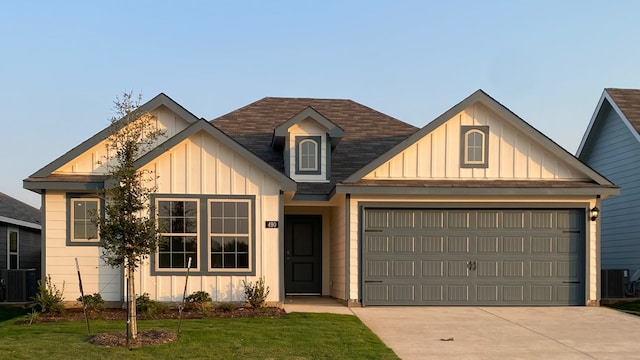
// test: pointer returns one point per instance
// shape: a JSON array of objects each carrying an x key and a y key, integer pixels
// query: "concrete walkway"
[
  {"x": 493, "y": 332},
  {"x": 505, "y": 332}
]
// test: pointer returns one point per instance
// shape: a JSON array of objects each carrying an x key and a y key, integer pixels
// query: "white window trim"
[
  {"x": 210, "y": 233},
  {"x": 198, "y": 238},
  {"x": 72, "y": 235},
  {"x": 315, "y": 155},
  {"x": 9, "y": 252},
  {"x": 482, "y": 149}
]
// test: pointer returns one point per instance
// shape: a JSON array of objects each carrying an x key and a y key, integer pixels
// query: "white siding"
[
  {"x": 60, "y": 261},
  {"x": 202, "y": 165},
  {"x": 512, "y": 154},
  {"x": 92, "y": 161}
]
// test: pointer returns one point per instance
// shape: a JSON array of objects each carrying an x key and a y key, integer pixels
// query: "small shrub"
[
  {"x": 48, "y": 298},
  {"x": 256, "y": 294},
  {"x": 149, "y": 308},
  {"x": 92, "y": 302},
  {"x": 199, "y": 299},
  {"x": 32, "y": 317},
  {"x": 226, "y": 306}
]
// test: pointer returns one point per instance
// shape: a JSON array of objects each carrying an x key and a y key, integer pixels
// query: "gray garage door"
[{"x": 473, "y": 257}]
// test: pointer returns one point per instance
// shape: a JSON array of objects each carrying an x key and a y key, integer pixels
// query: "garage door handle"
[
  {"x": 372, "y": 281},
  {"x": 571, "y": 282}
]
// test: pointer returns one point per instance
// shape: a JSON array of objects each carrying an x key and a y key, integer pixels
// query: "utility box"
[
  {"x": 17, "y": 285},
  {"x": 614, "y": 283}
]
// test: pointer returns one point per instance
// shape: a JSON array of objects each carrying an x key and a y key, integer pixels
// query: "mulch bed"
[{"x": 155, "y": 337}]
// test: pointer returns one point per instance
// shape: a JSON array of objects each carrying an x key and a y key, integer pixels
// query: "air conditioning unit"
[
  {"x": 17, "y": 285},
  {"x": 614, "y": 283}
]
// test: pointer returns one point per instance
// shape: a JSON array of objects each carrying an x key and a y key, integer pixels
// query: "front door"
[{"x": 303, "y": 254}]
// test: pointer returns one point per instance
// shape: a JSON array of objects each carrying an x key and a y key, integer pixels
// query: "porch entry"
[{"x": 303, "y": 254}]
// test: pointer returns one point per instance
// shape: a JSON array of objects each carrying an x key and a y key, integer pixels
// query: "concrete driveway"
[{"x": 505, "y": 332}]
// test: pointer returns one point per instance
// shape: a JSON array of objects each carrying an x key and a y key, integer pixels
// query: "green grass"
[
  {"x": 296, "y": 336},
  {"x": 632, "y": 307}
]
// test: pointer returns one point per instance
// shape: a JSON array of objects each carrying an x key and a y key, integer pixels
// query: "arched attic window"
[
  {"x": 308, "y": 155},
  {"x": 474, "y": 147}
]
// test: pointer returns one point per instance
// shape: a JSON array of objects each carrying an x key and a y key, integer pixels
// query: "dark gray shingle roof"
[
  {"x": 367, "y": 133},
  {"x": 17, "y": 210}
]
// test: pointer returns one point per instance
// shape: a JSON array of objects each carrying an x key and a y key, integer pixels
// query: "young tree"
[{"x": 128, "y": 232}]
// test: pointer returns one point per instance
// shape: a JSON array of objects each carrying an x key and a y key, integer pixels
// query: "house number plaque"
[{"x": 271, "y": 224}]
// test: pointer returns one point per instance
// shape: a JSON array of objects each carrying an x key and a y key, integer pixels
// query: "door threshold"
[{"x": 303, "y": 294}]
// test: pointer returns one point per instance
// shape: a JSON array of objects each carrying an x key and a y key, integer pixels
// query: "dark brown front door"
[{"x": 303, "y": 254}]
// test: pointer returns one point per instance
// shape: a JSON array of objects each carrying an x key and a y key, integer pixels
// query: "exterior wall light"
[{"x": 595, "y": 213}]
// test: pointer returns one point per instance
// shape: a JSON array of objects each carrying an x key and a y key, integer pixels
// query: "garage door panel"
[
  {"x": 474, "y": 257},
  {"x": 432, "y": 244},
  {"x": 433, "y": 268}
]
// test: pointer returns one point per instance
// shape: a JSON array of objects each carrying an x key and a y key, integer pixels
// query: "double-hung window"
[
  {"x": 82, "y": 229},
  {"x": 178, "y": 227},
  {"x": 474, "y": 149},
  {"x": 13, "y": 260},
  {"x": 230, "y": 234}
]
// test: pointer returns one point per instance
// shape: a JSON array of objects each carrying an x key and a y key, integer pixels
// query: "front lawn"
[
  {"x": 632, "y": 307},
  {"x": 295, "y": 336}
]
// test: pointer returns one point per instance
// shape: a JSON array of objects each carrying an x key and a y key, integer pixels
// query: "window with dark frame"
[
  {"x": 474, "y": 146},
  {"x": 178, "y": 226},
  {"x": 229, "y": 234},
  {"x": 307, "y": 155},
  {"x": 82, "y": 227}
]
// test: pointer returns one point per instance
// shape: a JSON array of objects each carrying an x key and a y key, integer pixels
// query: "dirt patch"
[{"x": 144, "y": 338}]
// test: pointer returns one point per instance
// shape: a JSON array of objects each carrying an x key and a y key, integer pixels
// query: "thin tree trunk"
[{"x": 133, "y": 323}]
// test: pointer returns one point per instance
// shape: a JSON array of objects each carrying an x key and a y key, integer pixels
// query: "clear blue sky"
[{"x": 62, "y": 63}]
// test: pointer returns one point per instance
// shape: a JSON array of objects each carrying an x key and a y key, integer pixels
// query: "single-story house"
[
  {"x": 330, "y": 197},
  {"x": 20, "y": 243},
  {"x": 611, "y": 146}
]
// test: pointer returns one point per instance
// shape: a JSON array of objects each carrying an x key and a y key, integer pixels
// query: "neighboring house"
[
  {"x": 330, "y": 197},
  {"x": 20, "y": 244},
  {"x": 611, "y": 146}
]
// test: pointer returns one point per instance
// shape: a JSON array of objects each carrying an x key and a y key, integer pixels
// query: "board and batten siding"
[
  {"x": 92, "y": 161},
  {"x": 201, "y": 165},
  {"x": 97, "y": 277},
  {"x": 616, "y": 155},
  {"x": 512, "y": 153},
  {"x": 338, "y": 253}
]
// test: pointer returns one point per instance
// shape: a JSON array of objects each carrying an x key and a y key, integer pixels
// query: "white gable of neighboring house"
[{"x": 512, "y": 153}]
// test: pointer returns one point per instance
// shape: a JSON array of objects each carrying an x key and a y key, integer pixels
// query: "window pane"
[
  {"x": 243, "y": 261},
  {"x": 194, "y": 260},
  {"x": 164, "y": 260},
  {"x": 243, "y": 244},
  {"x": 164, "y": 225},
  {"x": 216, "y": 209},
  {"x": 164, "y": 208},
  {"x": 229, "y": 226},
  {"x": 216, "y": 226},
  {"x": 13, "y": 261},
  {"x": 79, "y": 230},
  {"x": 242, "y": 226},
  {"x": 243, "y": 209},
  {"x": 177, "y": 243},
  {"x": 164, "y": 244},
  {"x": 191, "y": 244},
  {"x": 191, "y": 225},
  {"x": 13, "y": 242},
  {"x": 177, "y": 261},
  {"x": 216, "y": 261},
  {"x": 229, "y": 245},
  {"x": 229, "y": 261},
  {"x": 229, "y": 209},
  {"x": 190, "y": 209},
  {"x": 91, "y": 231}
]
